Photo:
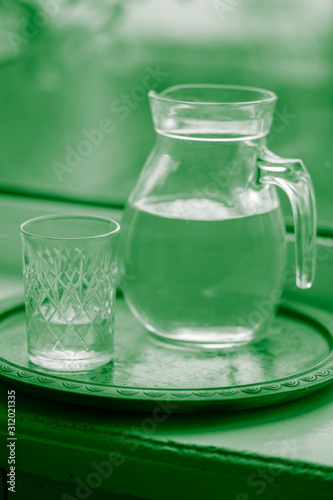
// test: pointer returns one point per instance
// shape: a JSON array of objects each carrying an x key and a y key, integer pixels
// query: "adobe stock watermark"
[
  {"x": 31, "y": 26},
  {"x": 221, "y": 179},
  {"x": 260, "y": 480},
  {"x": 93, "y": 138},
  {"x": 90, "y": 139},
  {"x": 263, "y": 309},
  {"x": 101, "y": 471},
  {"x": 281, "y": 121},
  {"x": 225, "y": 7},
  {"x": 203, "y": 198},
  {"x": 324, "y": 250}
]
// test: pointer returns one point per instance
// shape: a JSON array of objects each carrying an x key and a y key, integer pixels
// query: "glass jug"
[{"x": 203, "y": 250}]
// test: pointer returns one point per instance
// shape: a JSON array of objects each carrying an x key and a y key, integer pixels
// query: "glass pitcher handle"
[{"x": 292, "y": 176}]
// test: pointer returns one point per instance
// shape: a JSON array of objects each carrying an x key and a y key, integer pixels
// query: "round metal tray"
[{"x": 295, "y": 359}]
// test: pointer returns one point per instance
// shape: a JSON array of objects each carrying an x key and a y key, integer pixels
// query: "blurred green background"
[{"x": 66, "y": 66}]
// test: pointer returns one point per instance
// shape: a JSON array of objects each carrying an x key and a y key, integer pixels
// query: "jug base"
[{"x": 205, "y": 340}]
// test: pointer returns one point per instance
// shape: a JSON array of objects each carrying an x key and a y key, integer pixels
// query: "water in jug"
[{"x": 203, "y": 250}]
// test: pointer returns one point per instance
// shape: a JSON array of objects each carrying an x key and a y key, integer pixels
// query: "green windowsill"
[{"x": 185, "y": 456}]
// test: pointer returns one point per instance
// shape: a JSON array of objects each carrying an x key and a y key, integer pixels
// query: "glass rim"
[
  {"x": 268, "y": 95},
  {"x": 25, "y": 232}
]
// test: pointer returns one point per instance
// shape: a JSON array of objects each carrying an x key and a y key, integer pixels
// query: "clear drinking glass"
[
  {"x": 203, "y": 245},
  {"x": 69, "y": 268}
]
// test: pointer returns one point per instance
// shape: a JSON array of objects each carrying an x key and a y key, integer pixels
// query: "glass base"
[{"x": 70, "y": 363}]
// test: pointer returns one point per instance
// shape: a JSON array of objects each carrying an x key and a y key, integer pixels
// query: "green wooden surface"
[
  {"x": 232, "y": 456},
  {"x": 182, "y": 457}
]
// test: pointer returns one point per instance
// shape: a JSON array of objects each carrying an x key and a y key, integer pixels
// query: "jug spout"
[{"x": 213, "y": 112}]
